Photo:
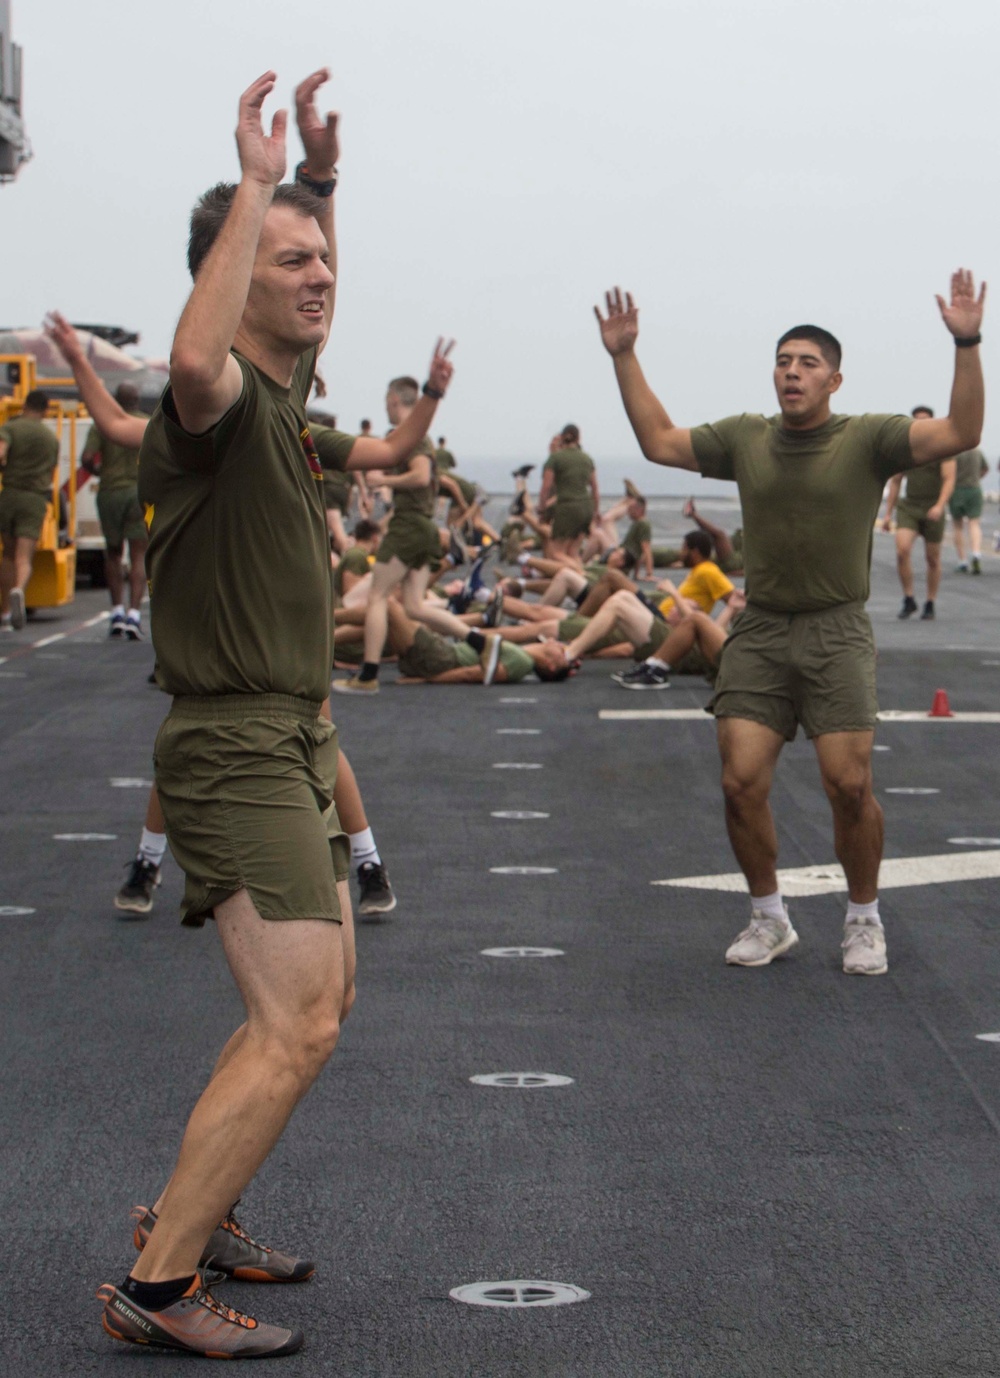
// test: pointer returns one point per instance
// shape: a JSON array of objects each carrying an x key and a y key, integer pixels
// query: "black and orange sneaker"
[
  {"x": 231, "y": 1250},
  {"x": 197, "y": 1324}
]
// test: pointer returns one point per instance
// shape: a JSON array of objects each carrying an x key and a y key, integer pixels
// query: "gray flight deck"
[{"x": 782, "y": 1173}]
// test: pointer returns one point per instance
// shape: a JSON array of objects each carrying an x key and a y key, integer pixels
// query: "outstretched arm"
[
  {"x": 659, "y": 439},
  {"x": 892, "y": 497},
  {"x": 949, "y": 472},
  {"x": 112, "y": 420},
  {"x": 370, "y": 452},
  {"x": 945, "y": 436}
]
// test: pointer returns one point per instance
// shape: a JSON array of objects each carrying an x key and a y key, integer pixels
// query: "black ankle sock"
[
  {"x": 156, "y": 1296},
  {"x": 477, "y": 641},
  {"x": 581, "y": 597},
  {"x": 369, "y": 670}
]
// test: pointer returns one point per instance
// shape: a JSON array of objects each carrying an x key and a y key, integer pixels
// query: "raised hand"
[
  {"x": 621, "y": 329},
  {"x": 441, "y": 367},
  {"x": 963, "y": 315},
  {"x": 319, "y": 135},
  {"x": 262, "y": 156},
  {"x": 63, "y": 336}
]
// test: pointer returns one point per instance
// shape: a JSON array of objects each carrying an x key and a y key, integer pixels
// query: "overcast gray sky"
[{"x": 740, "y": 166}]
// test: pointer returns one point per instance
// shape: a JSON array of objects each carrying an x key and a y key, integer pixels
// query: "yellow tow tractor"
[{"x": 53, "y": 575}]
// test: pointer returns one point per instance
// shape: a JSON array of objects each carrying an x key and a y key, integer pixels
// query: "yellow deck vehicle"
[{"x": 53, "y": 575}]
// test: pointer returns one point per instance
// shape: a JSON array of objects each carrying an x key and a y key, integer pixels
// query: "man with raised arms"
[
  {"x": 810, "y": 484},
  {"x": 245, "y": 761}
]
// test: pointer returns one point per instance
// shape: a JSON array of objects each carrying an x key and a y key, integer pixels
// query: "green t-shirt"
[
  {"x": 353, "y": 561},
  {"x": 239, "y": 555},
  {"x": 572, "y": 470},
  {"x": 970, "y": 466},
  {"x": 809, "y": 500},
  {"x": 32, "y": 454},
  {"x": 517, "y": 663},
  {"x": 334, "y": 450},
  {"x": 444, "y": 459},
  {"x": 467, "y": 489},
  {"x": 119, "y": 463},
  {"x": 637, "y": 535},
  {"x": 420, "y": 502},
  {"x": 923, "y": 485}
]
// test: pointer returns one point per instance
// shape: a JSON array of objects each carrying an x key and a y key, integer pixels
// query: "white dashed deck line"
[
  {"x": 911, "y": 789},
  {"x": 990, "y": 662},
  {"x": 518, "y": 700},
  {"x": 519, "y": 731},
  {"x": 12, "y": 674},
  {"x": 85, "y": 837},
  {"x": 517, "y": 765},
  {"x": 521, "y": 815},
  {"x": 694, "y": 714},
  {"x": 524, "y": 870},
  {"x": 49, "y": 640},
  {"x": 521, "y": 952},
  {"x": 93, "y": 621},
  {"x": 129, "y": 782},
  {"x": 989, "y": 1038},
  {"x": 14, "y": 911},
  {"x": 974, "y": 841},
  {"x": 896, "y": 873}
]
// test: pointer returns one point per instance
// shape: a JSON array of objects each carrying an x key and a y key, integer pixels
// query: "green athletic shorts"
[
  {"x": 21, "y": 514},
  {"x": 693, "y": 663},
  {"x": 429, "y": 656},
  {"x": 412, "y": 539},
  {"x": 121, "y": 517},
  {"x": 966, "y": 502},
  {"x": 572, "y": 519},
  {"x": 570, "y": 627},
  {"x": 246, "y": 784},
  {"x": 910, "y": 516},
  {"x": 813, "y": 668},
  {"x": 664, "y": 556},
  {"x": 336, "y": 494}
]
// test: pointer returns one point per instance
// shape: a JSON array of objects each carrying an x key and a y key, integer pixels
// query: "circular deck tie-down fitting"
[
  {"x": 521, "y": 1081},
  {"x": 518, "y": 1293}
]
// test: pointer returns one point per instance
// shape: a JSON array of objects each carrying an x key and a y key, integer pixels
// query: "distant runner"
[
  {"x": 29, "y": 452},
  {"x": 966, "y": 504},
  {"x": 117, "y": 467},
  {"x": 920, "y": 513}
]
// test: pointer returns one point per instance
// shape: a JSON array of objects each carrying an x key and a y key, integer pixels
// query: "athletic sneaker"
[
  {"x": 489, "y": 656},
  {"x": 117, "y": 627},
  {"x": 864, "y": 948},
  {"x": 928, "y": 613},
  {"x": 233, "y": 1252},
  {"x": 909, "y": 607},
  {"x": 376, "y": 895},
  {"x": 18, "y": 616},
  {"x": 133, "y": 629},
  {"x": 764, "y": 939},
  {"x": 197, "y": 1324},
  {"x": 494, "y": 608},
  {"x": 355, "y": 685},
  {"x": 136, "y": 895},
  {"x": 524, "y": 471},
  {"x": 644, "y": 676},
  {"x": 976, "y": 565},
  {"x": 631, "y": 489}
]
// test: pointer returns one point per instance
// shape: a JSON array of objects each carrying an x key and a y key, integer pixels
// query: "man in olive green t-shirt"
[
  {"x": 920, "y": 512},
  {"x": 966, "y": 504},
  {"x": 121, "y": 518},
  {"x": 569, "y": 477},
  {"x": 29, "y": 452},
  {"x": 810, "y": 486}
]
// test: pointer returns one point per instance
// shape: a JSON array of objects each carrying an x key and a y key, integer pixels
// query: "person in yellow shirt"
[{"x": 704, "y": 585}]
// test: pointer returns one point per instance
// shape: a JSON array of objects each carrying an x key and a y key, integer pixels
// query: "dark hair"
[
  {"x": 407, "y": 389},
  {"x": 209, "y": 215},
  {"x": 440, "y": 439},
  {"x": 829, "y": 345},
  {"x": 365, "y": 422},
  {"x": 570, "y": 434},
  {"x": 928, "y": 410},
  {"x": 551, "y": 676},
  {"x": 641, "y": 501},
  {"x": 629, "y": 559},
  {"x": 36, "y": 400},
  {"x": 321, "y": 418},
  {"x": 700, "y": 541},
  {"x": 365, "y": 530}
]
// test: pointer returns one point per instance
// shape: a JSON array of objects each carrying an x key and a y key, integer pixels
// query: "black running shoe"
[
  {"x": 376, "y": 893},
  {"x": 136, "y": 895},
  {"x": 928, "y": 613},
  {"x": 644, "y": 676},
  {"x": 494, "y": 608},
  {"x": 908, "y": 609},
  {"x": 117, "y": 627},
  {"x": 524, "y": 471},
  {"x": 976, "y": 565},
  {"x": 133, "y": 629}
]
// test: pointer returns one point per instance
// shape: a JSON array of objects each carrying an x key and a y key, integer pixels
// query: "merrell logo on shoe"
[{"x": 119, "y": 1306}]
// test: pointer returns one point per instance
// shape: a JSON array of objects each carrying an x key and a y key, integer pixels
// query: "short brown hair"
[
  {"x": 407, "y": 389},
  {"x": 209, "y": 215},
  {"x": 570, "y": 435}
]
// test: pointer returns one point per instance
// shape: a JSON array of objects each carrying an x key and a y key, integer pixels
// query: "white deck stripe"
[
  {"x": 896, "y": 873},
  {"x": 48, "y": 641},
  {"x": 693, "y": 714}
]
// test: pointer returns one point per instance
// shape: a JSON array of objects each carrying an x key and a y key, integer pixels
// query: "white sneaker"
[
  {"x": 765, "y": 939},
  {"x": 864, "y": 948},
  {"x": 18, "y": 615}
]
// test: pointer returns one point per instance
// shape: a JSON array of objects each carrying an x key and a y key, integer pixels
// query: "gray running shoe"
[
  {"x": 376, "y": 895},
  {"x": 644, "y": 676},
  {"x": 489, "y": 656},
  {"x": 231, "y": 1250},
  {"x": 864, "y": 948},
  {"x": 18, "y": 616},
  {"x": 764, "y": 939},
  {"x": 136, "y": 895},
  {"x": 197, "y": 1324}
]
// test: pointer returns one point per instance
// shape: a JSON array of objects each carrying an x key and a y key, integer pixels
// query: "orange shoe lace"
[
  {"x": 234, "y": 1227},
  {"x": 228, "y": 1313}
]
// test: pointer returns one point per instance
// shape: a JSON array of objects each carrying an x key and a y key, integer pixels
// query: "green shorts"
[
  {"x": 570, "y": 627},
  {"x": 121, "y": 517},
  {"x": 665, "y": 556},
  {"x": 429, "y": 656},
  {"x": 693, "y": 663},
  {"x": 966, "y": 502},
  {"x": 336, "y": 495},
  {"x": 910, "y": 516},
  {"x": 572, "y": 519},
  {"x": 21, "y": 514},
  {"x": 412, "y": 539},
  {"x": 813, "y": 668},
  {"x": 246, "y": 784}
]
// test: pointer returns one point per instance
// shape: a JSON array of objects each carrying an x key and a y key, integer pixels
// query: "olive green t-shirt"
[
  {"x": 415, "y": 501},
  {"x": 334, "y": 450},
  {"x": 571, "y": 470},
  {"x": 970, "y": 466},
  {"x": 239, "y": 556},
  {"x": 119, "y": 463},
  {"x": 444, "y": 459},
  {"x": 636, "y": 537},
  {"x": 467, "y": 489},
  {"x": 517, "y": 663},
  {"x": 353, "y": 561},
  {"x": 32, "y": 454},
  {"x": 809, "y": 500},
  {"x": 923, "y": 485}
]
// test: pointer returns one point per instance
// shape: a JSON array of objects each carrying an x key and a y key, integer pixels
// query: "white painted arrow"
[{"x": 896, "y": 873}]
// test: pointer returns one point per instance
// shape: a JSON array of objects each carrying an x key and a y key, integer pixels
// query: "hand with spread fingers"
[
  {"x": 441, "y": 366},
  {"x": 963, "y": 315},
  {"x": 319, "y": 133},
  {"x": 262, "y": 156},
  {"x": 63, "y": 336},
  {"x": 621, "y": 328}
]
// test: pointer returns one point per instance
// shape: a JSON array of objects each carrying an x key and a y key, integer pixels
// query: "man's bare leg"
[
  {"x": 622, "y": 610},
  {"x": 904, "y": 559},
  {"x": 958, "y": 532},
  {"x": 610, "y": 582},
  {"x": 114, "y": 576},
  {"x": 749, "y": 753},
  {"x": 932, "y": 550},
  {"x": 385, "y": 577},
  {"x": 845, "y": 763},
  {"x": 568, "y": 583}
]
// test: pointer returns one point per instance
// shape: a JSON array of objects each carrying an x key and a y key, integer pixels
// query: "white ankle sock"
[
  {"x": 770, "y": 905},
  {"x": 867, "y": 912},
  {"x": 660, "y": 664},
  {"x": 152, "y": 846},
  {"x": 118, "y": 610},
  {"x": 134, "y": 615},
  {"x": 363, "y": 848}
]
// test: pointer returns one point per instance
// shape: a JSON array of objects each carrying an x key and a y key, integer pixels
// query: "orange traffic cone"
[{"x": 941, "y": 708}]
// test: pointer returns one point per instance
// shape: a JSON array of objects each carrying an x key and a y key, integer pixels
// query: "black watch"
[{"x": 325, "y": 188}]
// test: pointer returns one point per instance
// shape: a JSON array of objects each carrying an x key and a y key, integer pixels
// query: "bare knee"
[
  {"x": 849, "y": 789},
  {"x": 305, "y": 1044},
  {"x": 743, "y": 792},
  {"x": 347, "y": 1003}
]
